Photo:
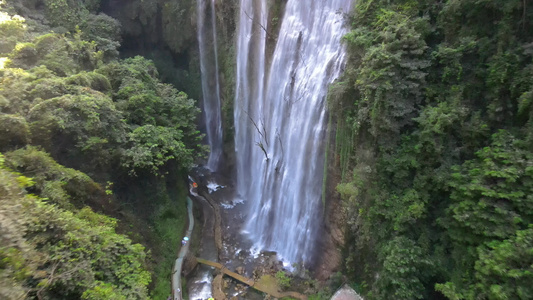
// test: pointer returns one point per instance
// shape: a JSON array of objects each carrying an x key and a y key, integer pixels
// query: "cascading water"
[
  {"x": 280, "y": 120},
  {"x": 207, "y": 40},
  {"x": 199, "y": 285}
]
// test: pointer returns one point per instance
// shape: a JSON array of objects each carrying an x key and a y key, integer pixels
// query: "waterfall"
[
  {"x": 207, "y": 40},
  {"x": 280, "y": 120}
]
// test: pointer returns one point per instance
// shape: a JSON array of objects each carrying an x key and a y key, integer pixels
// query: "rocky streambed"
[{"x": 221, "y": 216}]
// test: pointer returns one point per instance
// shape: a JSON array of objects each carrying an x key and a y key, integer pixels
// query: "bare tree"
[
  {"x": 278, "y": 135},
  {"x": 260, "y": 25},
  {"x": 262, "y": 133}
]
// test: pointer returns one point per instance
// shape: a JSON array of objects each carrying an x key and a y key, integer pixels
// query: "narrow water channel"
[{"x": 200, "y": 284}]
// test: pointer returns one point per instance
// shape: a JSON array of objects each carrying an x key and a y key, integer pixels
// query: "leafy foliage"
[
  {"x": 74, "y": 118},
  {"x": 283, "y": 280},
  {"x": 154, "y": 146},
  {"x": 391, "y": 73},
  {"x": 14, "y": 131},
  {"x": 47, "y": 251},
  {"x": 74, "y": 109},
  {"x": 65, "y": 187},
  {"x": 161, "y": 119},
  {"x": 435, "y": 152},
  {"x": 404, "y": 270},
  {"x": 12, "y": 30}
]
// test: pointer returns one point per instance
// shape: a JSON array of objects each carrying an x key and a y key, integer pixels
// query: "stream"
[
  {"x": 199, "y": 285},
  {"x": 235, "y": 251}
]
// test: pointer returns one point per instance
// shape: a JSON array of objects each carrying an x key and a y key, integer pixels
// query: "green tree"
[
  {"x": 404, "y": 269},
  {"x": 50, "y": 252},
  {"x": 153, "y": 146},
  {"x": 390, "y": 54}
]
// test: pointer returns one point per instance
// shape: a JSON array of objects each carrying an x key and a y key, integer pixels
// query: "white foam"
[
  {"x": 232, "y": 204},
  {"x": 255, "y": 251},
  {"x": 213, "y": 187},
  {"x": 204, "y": 291},
  {"x": 227, "y": 206}
]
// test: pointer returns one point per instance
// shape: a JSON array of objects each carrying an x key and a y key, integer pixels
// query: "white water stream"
[
  {"x": 207, "y": 41},
  {"x": 199, "y": 285},
  {"x": 280, "y": 120}
]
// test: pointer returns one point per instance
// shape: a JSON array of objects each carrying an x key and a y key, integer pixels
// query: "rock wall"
[
  {"x": 163, "y": 31},
  {"x": 330, "y": 261}
]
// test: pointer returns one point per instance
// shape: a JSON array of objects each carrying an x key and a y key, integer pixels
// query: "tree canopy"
[{"x": 77, "y": 125}]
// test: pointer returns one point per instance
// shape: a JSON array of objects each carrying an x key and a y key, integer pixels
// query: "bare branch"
[
  {"x": 263, "y": 148},
  {"x": 255, "y": 124},
  {"x": 278, "y": 135},
  {"x": 52, "y": 277},
  {"x": 265, "y": 137},
  {"x": 260, "y": 25},
  {"x": 261, "y": 133}
]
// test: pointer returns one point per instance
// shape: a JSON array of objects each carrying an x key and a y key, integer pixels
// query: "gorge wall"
[{"x": 288, "y": 61}]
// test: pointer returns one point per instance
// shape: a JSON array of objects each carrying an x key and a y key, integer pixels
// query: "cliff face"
[
  {"x": 168, "y": 23},
  {"x": 226, "y": 25},
  {"x": 165, "y": 31},
  {"x": 331, "y": 259}
]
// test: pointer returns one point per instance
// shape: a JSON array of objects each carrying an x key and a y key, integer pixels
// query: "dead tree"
[{"x": 262, "y": 134}]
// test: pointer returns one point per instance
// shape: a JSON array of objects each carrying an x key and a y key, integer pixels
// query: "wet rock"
[
  {"x": 331, "y": 261},
  {"x": 217, "y": 287},
  {"x": 189, "y": 263},
  {"x": 269, "y": 253},
  {"x": 226, "y": 283},
  {"x": 243, "y": 254},
  {"x": 239, "y": 270},
  {"x": 256, "y": 273},
  {"x": 337, "y": 235}
]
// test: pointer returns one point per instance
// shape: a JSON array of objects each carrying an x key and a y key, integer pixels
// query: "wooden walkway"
[{"x": 250, "y": 282}]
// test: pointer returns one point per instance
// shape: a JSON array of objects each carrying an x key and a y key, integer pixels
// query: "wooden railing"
[{"x": 250, "y": 282}]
